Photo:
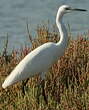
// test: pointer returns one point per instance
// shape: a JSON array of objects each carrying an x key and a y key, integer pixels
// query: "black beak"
[{"x": 76, "y": 9}]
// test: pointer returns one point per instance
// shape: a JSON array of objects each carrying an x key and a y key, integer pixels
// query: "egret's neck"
[{"x": 63, "y": 32}]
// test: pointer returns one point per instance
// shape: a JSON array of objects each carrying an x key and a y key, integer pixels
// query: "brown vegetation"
[{"x": 66, "y": 83}]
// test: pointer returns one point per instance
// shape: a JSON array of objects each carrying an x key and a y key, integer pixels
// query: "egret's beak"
[{"x": 76, "y": 9}]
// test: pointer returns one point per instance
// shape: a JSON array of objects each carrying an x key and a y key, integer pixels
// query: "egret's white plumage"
[{"x": 40, "y": 59}]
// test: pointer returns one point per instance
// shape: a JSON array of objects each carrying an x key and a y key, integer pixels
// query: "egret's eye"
[{"x": 68, "y": 8}]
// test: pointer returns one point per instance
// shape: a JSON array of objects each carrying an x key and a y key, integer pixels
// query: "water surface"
[{"x": 15, "y": 13}]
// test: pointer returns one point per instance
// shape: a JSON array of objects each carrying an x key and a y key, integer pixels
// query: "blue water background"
[{"x": 15, "y": 13}]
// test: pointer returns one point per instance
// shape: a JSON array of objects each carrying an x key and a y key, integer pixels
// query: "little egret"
[{"x": 42, "y": 58}]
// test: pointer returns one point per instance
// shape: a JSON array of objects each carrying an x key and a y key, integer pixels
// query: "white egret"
[{"x": 41, "y": 58}]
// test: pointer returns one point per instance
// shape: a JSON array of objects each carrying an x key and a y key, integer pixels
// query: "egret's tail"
[
  {"x": 9, "y": 81},
  {"x": 5, "y": 84},
  {"x": 18, "y": 74},
  {"x": 14, "y": 77}
]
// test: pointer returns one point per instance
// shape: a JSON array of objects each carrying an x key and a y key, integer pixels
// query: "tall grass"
[{"x": 66, "y": 84}]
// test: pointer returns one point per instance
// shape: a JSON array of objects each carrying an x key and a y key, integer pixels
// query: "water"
[{"x": 15, "y": 13}]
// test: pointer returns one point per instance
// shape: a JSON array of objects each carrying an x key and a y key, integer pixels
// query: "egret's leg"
[
  {"x": 42, "y": 75},
  {"x": 41, "y": 85},
  {"x": 43, "y": 91},
  {"x": 24, "y": 85}
]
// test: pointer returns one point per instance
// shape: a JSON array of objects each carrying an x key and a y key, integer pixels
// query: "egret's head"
[{"x": 67, "y": 9}]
